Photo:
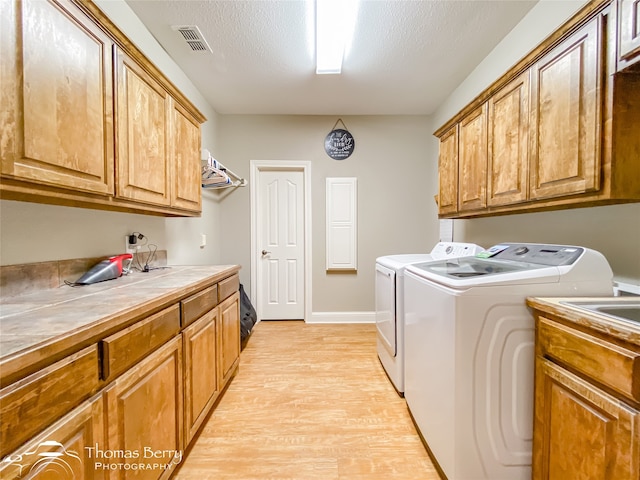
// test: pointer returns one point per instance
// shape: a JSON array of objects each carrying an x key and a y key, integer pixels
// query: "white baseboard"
[{"x": 342, "y": 317}]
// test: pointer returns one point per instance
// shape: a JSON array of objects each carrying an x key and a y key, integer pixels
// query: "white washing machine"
[
  {"x": 469, "y": 350},
  {"x": 390, "y": 300}
]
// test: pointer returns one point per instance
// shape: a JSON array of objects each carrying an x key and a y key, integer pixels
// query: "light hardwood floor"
[{"x": 309, "y": 402}]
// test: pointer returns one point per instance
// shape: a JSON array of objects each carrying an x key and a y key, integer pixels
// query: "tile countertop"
[
  {"x": 625, "y": 330},
  {"x": 39, "y": 328}
]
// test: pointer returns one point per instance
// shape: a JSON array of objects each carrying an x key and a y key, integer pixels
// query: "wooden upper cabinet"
[
  {"x": 566, "y": 115},
  {"x": 472, "y": 160},
  {"x": 56, "y": 97},
  {"x": 70, "y": 82},
  {"x": 186, "y": 176},
  {"x": 143, "y": 111},
  {"x": 508, "y": 147},
  {"x": 628, "y": 32},
  {"x": 561, "y": 129},
  {"x": 448, "y": 172}
]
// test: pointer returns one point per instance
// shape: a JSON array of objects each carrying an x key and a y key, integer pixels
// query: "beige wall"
[{"x": 396, "y": 211}]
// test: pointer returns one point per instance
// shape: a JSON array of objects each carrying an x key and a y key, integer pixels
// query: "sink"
[{"x": 628, "y": 311}]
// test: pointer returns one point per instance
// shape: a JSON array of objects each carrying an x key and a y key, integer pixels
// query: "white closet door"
[{"x": 342, "y": 223}]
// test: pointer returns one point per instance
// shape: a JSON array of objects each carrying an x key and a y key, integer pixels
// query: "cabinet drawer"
[
  {"x": 197, "y": 305},
  {"x": 33, "y": 403},
  {"x": 607, "y": 363},
  {"x": 228, "y": 287},
  {"x": 123, "y": 349}
]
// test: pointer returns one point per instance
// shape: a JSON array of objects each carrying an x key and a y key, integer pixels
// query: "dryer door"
[{"x": 386, "y": 307}]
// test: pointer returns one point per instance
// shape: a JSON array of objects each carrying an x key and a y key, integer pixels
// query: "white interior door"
[{"x": 280, "y": 265}]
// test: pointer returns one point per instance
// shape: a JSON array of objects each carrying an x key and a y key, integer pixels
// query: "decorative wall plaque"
[{"x": 339, "y": 144}]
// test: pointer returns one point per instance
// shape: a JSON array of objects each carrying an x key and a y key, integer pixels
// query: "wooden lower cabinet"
[
  {"x": 136, "y": 420},
  {"x": 587, "y": 396},
  {"x": 230, "y": 337},
  {"x": 145, "y": 416},
  {"x": 582, "y": 432},
  {"x": 201, "y": 386},
  {"x": 67, "y": 449}
]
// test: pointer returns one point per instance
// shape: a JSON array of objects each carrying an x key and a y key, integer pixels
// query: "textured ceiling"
[{"x": 406, "y": 57}]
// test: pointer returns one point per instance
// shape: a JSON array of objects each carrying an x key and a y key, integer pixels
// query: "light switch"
[{"x": 203, "y": 240}]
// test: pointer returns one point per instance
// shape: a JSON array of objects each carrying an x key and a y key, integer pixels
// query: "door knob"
[{"x": 264, "y": 252}]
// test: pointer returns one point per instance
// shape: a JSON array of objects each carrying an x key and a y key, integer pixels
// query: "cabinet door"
[
  {"x": 448, "y": 172},
  {"x": 472, "y": 161},
  {"x": 581, "y": 432},
  {"x": 230, "y": 336},
  {"x": 187, "y": 176},
  {"x": 143, "y": 114},
  {"x": 56, "y": 97},
  {"x": 629, "y": 31},
  {"x": 145, "y": 416},
  {"x": 508, "y": 147},
  {"x": 65, "y": 450},
  {"x": 566, "y": 115},
  {"x": 200, "y": 341}
]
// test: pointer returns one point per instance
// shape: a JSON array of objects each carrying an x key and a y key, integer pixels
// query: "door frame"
[{"x": 258, "y": 166}]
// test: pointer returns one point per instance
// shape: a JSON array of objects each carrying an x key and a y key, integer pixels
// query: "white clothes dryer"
[
  {"x": 470, "y": 351},
  {"x": 390, "y": 300}
]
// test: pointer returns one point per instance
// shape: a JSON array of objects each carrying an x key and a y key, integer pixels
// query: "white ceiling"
[{"x": 407, "y": 56}]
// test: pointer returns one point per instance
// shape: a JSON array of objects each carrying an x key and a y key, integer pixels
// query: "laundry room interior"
[{"x": 362, "y": 366}]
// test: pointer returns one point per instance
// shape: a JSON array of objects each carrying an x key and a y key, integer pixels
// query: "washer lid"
[
  {"x": 470, "y": 271},
  {"x": 535, "y": 253},
  {"x": 520, "y": 264},
  {"x": 440, "y": 251}
]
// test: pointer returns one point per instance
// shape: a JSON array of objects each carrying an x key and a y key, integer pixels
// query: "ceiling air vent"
[{"x": 194, "y": 38}]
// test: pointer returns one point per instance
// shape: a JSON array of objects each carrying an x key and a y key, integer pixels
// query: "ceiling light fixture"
[{"x": 335, "y": 24}]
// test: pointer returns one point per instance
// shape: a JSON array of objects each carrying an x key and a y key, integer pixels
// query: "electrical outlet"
[{"x": 128, "y": 247}]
